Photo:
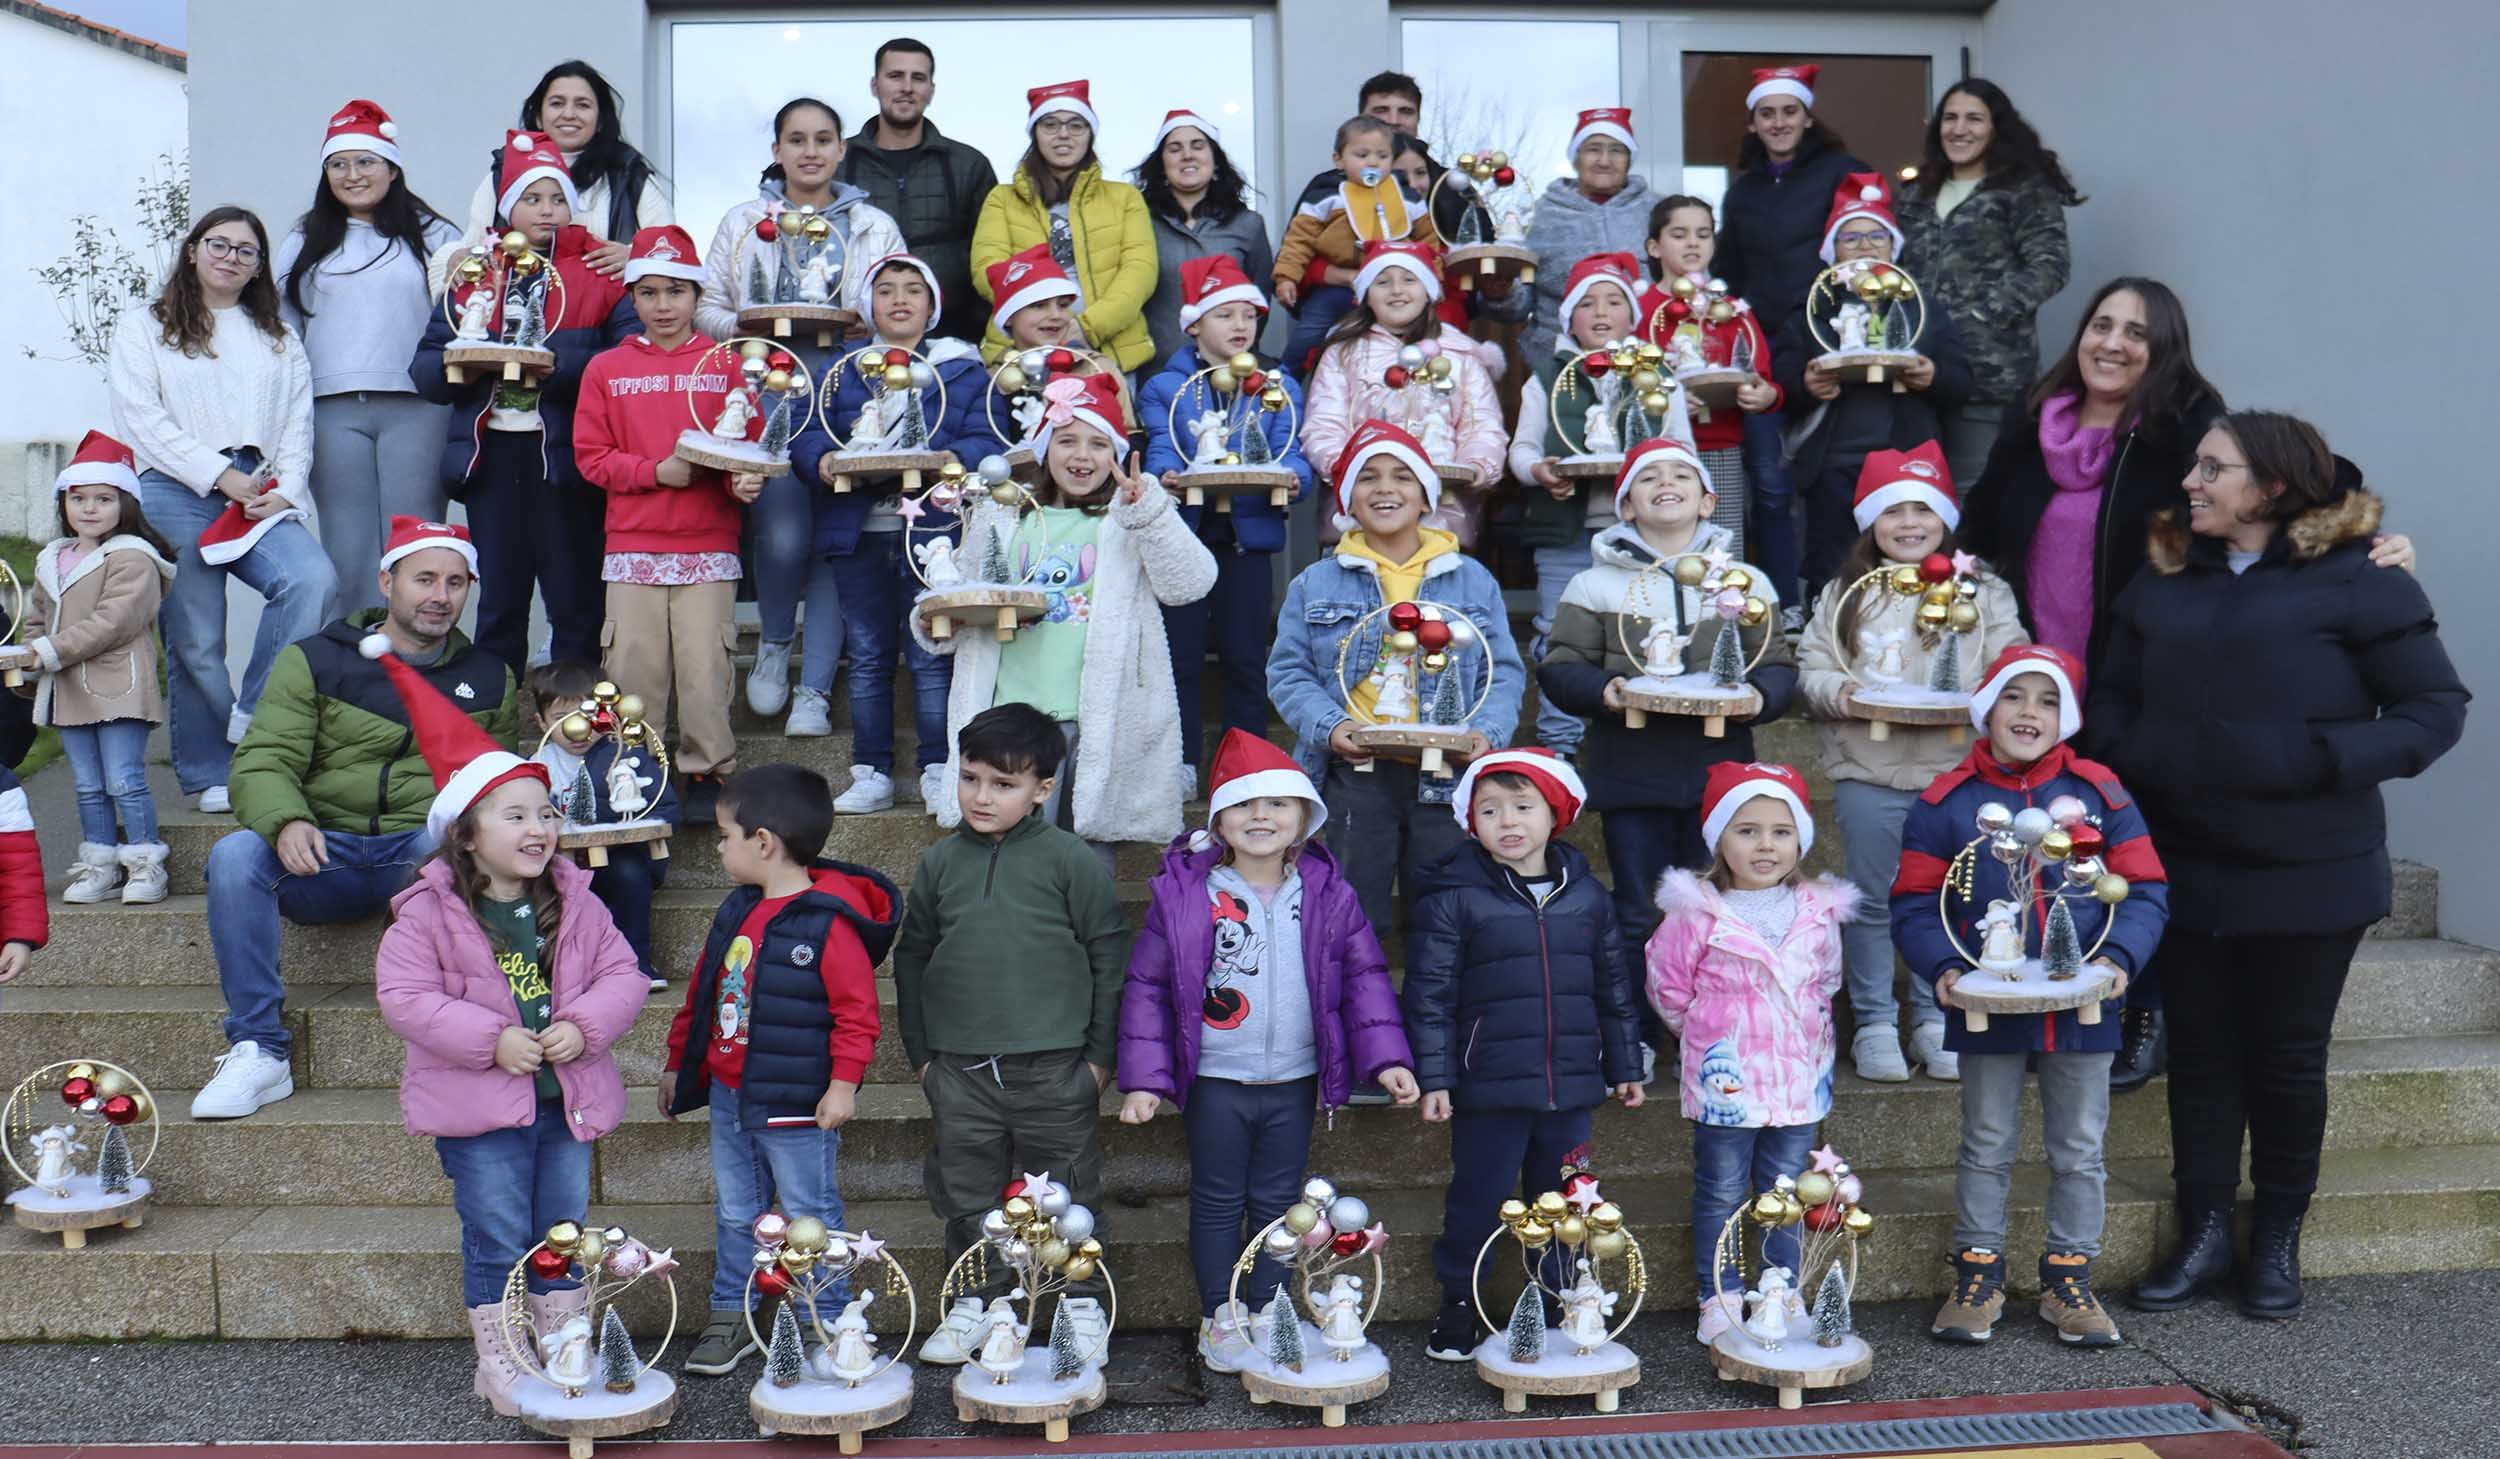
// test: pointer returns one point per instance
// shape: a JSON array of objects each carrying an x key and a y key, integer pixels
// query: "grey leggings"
[{"x": 376, "y": 455}]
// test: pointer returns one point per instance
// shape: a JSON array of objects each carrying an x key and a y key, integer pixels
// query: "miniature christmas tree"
[
  {"x": 1945, "y": 675},
  {"x": 993, "y": 550},
  {"x": 1527, "y": 1325},
  {"x": 915, "y": 426},
  {"x": 1727, "y": 656},
  {"x": 619, "y": 1364},
  {"x": 581, "y": 803},
  {"x": 787, "y": 1359},
  {"x": 1637, "y": 426},
  {"x": 1255, "y": 450},
  {"x": 1471, "y": 221},
  {"x": 533, "y": 331},
  {"x": 1831, "y": 1309},
  {"x": 789, "y": 263},
  {"x": 1446, "y": 709},
  {"x": 1067, "y": 1356},
  {"x": 1284, "y": 1334},
  {"x": 759, "y": 280},
  {"x": 777, "y": 424},
  {"x": 112, "y": 1163},
  {"x": 2061, "y": 950}
]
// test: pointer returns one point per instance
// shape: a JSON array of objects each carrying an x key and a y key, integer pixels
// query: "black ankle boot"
[
  {"x": 2201, "y": 1265},
  {"x": 2270, "y": 1287},
  {"x": 2145, "y": 1052}
]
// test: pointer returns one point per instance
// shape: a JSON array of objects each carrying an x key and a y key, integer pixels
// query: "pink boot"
[
  {"x": 495, "y": 1371},
  {"x": 548, "y": 1310}
]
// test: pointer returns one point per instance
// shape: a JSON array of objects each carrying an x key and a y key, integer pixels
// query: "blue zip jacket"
[
  {"x": 961, "y": 428},
  {"x": 1257, "y": 526}
]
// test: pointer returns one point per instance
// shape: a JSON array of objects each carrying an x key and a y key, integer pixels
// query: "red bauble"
[
  {"x": 772, "y": 1281},
  {"x": 898, "y": 357},
  {"x": 1433, "y": 634},
  {"x": 78, "y": 1091},
  {"x": 550, "y": 1265},
  {"x": 1011, "y": 1190},
  {"x": 1935, "y": 567},
  {"x": 2087, "y": 838},
  {"x": 767, "y": 229},
  {"x": 782, "y": 360},
  {"x": 1061, "y": 361},
  {"x": 1678, "y": 310},
  {"x": 1404, "y": 616},
  {"x": 121, "y": 1109},
  {"x": 1346, "y": 1243},
  {"x": 1255, "y": 380},
  {"x": 1505, "y": 176},
  {"x": 1598, "y": 364},
  {"x": 1823, "y": 1217},
  {"x": 1395, "y": 377}
]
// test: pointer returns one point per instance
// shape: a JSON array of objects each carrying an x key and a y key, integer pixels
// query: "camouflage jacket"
[{"x": 1992, "y": 264}]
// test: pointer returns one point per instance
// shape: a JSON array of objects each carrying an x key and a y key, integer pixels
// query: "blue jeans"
[
  {"x": 248, "y": 891},
  {"x": 1321, "y": 309},
  {"x": 287, "y": 568},
  {"x": 624, "y": 886},
  {"x": 867, "y": 596},
  {"x": 1555, "y": 568},
  {"x": 509, "y": 1186},
  {"x": 1774, "y": 495},
  {"x": 1496, "y": 1154},
  {"x": 108, "y": 763},
  {"x": 1239, "y": 616},
  {"x": 752, "y": 1168},
  {"x": 534, "y": 533},
  {"x": 1732, "y": 1164},
  {"x": 1247, "y": 1147},
  {"x": 782, "y": 537}
]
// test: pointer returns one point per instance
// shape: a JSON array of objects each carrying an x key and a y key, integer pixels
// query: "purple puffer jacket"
[{"x": 1359, "y": 1028}]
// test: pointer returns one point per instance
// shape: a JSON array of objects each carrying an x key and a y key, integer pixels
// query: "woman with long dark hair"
[
  {"x": 621, "y": 192},
  {"x": 1200, "y": 205},
  {"x": 354, "y": 289},
  {"x": 1097, "y": 230},
  {"x": 1986, "y": 223},
  {"x": 214, "y": 395}
]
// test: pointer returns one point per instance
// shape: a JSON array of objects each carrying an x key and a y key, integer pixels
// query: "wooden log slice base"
[
  {"x": 1881, "y": 715},
  {"x": 1796, "y": 1367},
  {"x": 1073, "y": 1399},
  {"x": 597, "y": 1414},
  {"x": 906, "y": 464},
  {"x": 1868, "y": 366},
  {"x": 692, "y": 450},
  {"x": 510, "y": 360},
  {"x": 1226, "y": 482},
  {"x": 1455, "y": 476},
  {"x": 815, "y": 1407},
  {"x": 129, "y": 1212},
  {"x": 1435, "y": 749},
  {"x": 1490, "y": 260},
  {"x": 1979, "y": 993},
  {"x": 1004, "y": 609},
  {"x": 1589, "y": 468},
  {"x": 593, "y": 842},
  {"x": 1310, "y": 1388},
  {"x": 782, "y": 321},
  {"x": 1562, "y": 1373},
  {"x": 1710, "y": 390},
  {"x": 1713, "y": 710}
]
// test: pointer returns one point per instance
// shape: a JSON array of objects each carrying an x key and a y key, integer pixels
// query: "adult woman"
[
  {"x": 214, "y": 394},
  {"x": 1200, "y": 205},
  {"x": 1098, "y": 230},
  {"x": 355, "y": 293},
  {"x": 1603, "y": 207},
  {"x": 1986, "y": 223},
  {"x": 2262, "y": 681},
  {"x": 620, "y": 192}
]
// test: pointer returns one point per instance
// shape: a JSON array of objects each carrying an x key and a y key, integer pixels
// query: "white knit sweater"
[{"x": 179, "y": 412}]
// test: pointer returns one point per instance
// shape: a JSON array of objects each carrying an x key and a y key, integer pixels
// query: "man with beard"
[{"x": 931, "y": 185}]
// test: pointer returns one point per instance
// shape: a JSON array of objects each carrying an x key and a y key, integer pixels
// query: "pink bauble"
[
  {"x": 1318, "y": 1236},
  {"x": 1850, "y": 1190},
  {"x": 771, "y": 1228}
]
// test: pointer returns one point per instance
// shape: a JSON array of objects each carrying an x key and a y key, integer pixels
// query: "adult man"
[
  {"x": 930, "y": 184},
  {"x": 1392, "y": 96},
  {"x": 332, "y": 793}
]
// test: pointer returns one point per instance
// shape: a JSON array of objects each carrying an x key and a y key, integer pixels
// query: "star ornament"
[
  {"x": 1035, "y": 1185},
  {"x": 910, "y": 509},
  {"x": 1585, "y": 1197},
  {"x": 1964, "y": 564},
  {"x": 1374, "y": 1237},
  {"x": 866, "y": 1249},
  {"x": 1828, "y": 1161}
]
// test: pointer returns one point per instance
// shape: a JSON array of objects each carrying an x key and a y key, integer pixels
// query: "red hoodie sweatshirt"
[{"x": 634, "y": 404}]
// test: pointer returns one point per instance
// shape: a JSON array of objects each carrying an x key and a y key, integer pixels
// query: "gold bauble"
[
  {"x": 1272, "y": 398},
  {"x": 1514, "y": 1212},
  {"x": 1931, "y": 615},
  {"x": 1754, "y": 614},
  {"x": 527, "y": 264},
  {"x": 1868, "y": 287},
  {"x": 1858, "y": 1223},
  {"x": 1765, "y": 1209},
  {"x": 139, "y": 1105},
  {"x": 629, "y": 706},
  {"x": 953, "y": 470},
  {"x": 1011, "y": 379},
  {"x": 1736, "y": 578},
  {"x": 1089, "y": 1247},
  {"x": 807, "y": 1233},
  {"x": 1651, "y": 354},
  {"x": 1035, "y": 1232},
  {"x": 1898, "y": 285},
  {"x": 470, "y": 270},
  {"x": 1606, "y": 1216},
  {"x": 2109, "y": 888},
  {"x": 1624, "y": 359},
  {"x": 1684, "y": 288},
  {"x": 1609, "y": 1245},
  {"x": 1906, "y": 581},
  {"x": 753, "y": 349},
  {"x": 1402, "y": 642},
  {"x": 1244, "y": 363},
  {"x": 590, "y": 1246},
  {"x": 1231, "y": 458},
  {"x": 1814, "y": 1188},
  {"x": 1792, "y": 1210},
  {"x": 1937, "y": 593},
  {"x": 1721, "y": 311},
  {"x": 796, "y": 1262},
  {"x": 604, "y": 692},
  {"x": 1644, "y": 378},
  {"x": 111, "y": 1082},
  {"x": 1961, "y": 617},
  {"x": 1435, "y": 662},
  {"x": 1571, "y": 1230},
  {"x": 81, "y": 1070},
  {"x": 816, "y": 228},
  {"x": 1467, "y": 160},
  {"x": 1007, "y": 493},
  {"x": 562, "y": 1236},
  {"x": 1053, "y": 1252},
  {"x": 1499, "y": 159},
  {"x": 1689, "y": 571},
  {"x": 778, "y": 381},
  {"x": 1224, "y": 380},
  {"x": 515, "y": 243},
  {"x": 2057, "y": 845},
  {"x": 1300, "y": 1217},
  {"x": 1534, "y": 1234},
  {"x": 574, "y": 727},
  {"x": 897, "y": 377},
  {"x": 1017, "y": 1210},
  {"x": 1439, "y": 367},
  {"x": 1081, "y": 1269},
  {"x": 1551, "y": 1206},
  {"x": 1655, "y": 402}
]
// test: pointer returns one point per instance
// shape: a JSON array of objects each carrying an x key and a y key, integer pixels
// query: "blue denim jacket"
[
  {"x": 962, "y": 429},
  {"x": 1257, "y": 527}
]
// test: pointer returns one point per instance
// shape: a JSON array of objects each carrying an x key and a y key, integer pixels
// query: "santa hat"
[
  {"x": 1602, "y": 121},
  {"x": 410, "y": 535},
  {"x": 1796, "y": 81},
  {"x": 528, "y": 157},
  {"x": 1620, "y": 269},
  {"x": 1248, "y": 767},
  {"x": 1092, "y": 400},
  {"x": 1729, "y": 784},
  {"x": 1659, "y": 449},
  {"x": 361, "y": 126},
  {"x": 2033, "y": 658},
  {"x": 466, "y": 761},
  {"x": 1215, "y": 279},
  {"x": 1072, "y": 97},
  {"x": 1551, "y": 774},
  {"x": 233, "y": 533},
  {"x": 918, "y": 265},
  {"x": 664, "y": 253},
  {"x": 1379, "y": 438},
  {"x": 1406, "y": 254},
  {"x": 100, "y": 461},
  {"x": 1028, "y": 278},
  {"x": 1861, "y": 195},
  {"x": 1917, "y": 475},
  {"x": 1180, "y": 117}
]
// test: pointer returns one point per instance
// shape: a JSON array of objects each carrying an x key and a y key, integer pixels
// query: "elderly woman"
[
  {"x": 1603, "y": 207},
  {"x": 1201, "y": 206},
  {"x": 2263, "y": 680},
  {"x": 1098, "y": 230}
]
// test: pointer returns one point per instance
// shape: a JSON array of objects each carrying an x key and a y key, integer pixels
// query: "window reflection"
[{"x": 1493, "y": 84}]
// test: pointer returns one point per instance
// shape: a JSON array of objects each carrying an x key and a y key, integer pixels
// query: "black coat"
[
  {"x": 1771, "y": 229},
  {"x": 2255, "y": 715},
  {"x": 1510, "y": 1005},
  {"x": 934, "y": 194}
]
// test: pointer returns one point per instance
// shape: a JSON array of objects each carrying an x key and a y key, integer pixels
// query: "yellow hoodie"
[{"x": 1400, "y": 582}]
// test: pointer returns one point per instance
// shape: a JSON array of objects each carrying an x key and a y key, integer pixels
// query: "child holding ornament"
[
  {"x": 1330, "y": 233},
  {"x": 1037, "y": 313},
  {"x": 1742, "y": 971},
  {"x": 1683, "y": 239},
  {"x": 1254, "y": 1019},
  {"x": 1906, "y": 513},
  {"x": 510, "y": 985},
  {"x": 581, "y": 768},
  {"x": 2018, "y": 786},
  {"x": 779, "y": 1024}
]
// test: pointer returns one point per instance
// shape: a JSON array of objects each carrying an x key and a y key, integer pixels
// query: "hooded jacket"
[
  {"x": 1257, "y": 526},
  {"x": 94, "y": 632},
  {"x": 868, "y": 235},
  {"x": 1114, "y": 239},
  {"x": 933, "y": 192},
  {"x": 963, "y": 428},
  {"x": 1909, "y": 757},
  {"x": 1771, "y": 227},
  {"x": 1755, "y": 1021},
  {"x": 1992, "y": 263},
  {"x": 1570, "y": 226},
  {"x": 1347, "y": 390},
  {"x": 636, "y": 400},
  {"x": 23, "y": 916}
]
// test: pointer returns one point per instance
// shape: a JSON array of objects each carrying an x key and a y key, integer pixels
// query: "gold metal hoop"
[
  {"x": 1171, "y": 412},
  {"x": 18, "y": 1120},
  {"x": 817, "y": 1280},
  {"x": 515, "y": 1319},
  {"x": 1639, "y": 593},
  {"x": 1042, "y": 1285},
  {"x": 1577, "y": 368},
  {"x": 1636, "y": 1276},
  {"x": 802, "y": 384},
  {"x": 1345, "y": 694},
  {"x": 1838, "y": 279},
  {"x": 1301, "y": 1275},
  {"x": 832, "y": 386}
]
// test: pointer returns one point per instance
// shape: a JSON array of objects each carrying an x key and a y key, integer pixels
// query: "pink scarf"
[{"x": 2059, "y": 581}]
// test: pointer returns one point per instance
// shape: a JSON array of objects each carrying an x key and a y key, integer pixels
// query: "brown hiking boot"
[
  {"x": 2067, "y": 1303},
  {"x": 1969, "y": 1314}
]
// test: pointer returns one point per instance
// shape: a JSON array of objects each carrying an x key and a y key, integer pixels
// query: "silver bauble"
[
  {"x": 1073, "y": 1224},
  {"x": 2030, "y": 824},
  {"x": 1994, "y": 817},
  {"x": 1348, "y": 1213},
  {"x": 1318, "y": 1190}
]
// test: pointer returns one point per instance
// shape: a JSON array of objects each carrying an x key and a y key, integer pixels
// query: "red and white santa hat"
[
  {"x": 1379, "y": 438},
  {"x": 361, "y": 126},
  {"x": 1796, "y": 81},
  {"x": 1551, "y": 774},
  {"x": 1729, "y": 784},
  {"x": 1917, "y": 475},
  {"x": 1248, "y": 767},
  {"x": 100, "y": 461},
  {"x": 1861, "y": 195},
  {"x": 1657, "y": 450},
  {"x": 1027, "y": 278},
  {"x": 2033, "y": 658},
  {"x": 918, "y": 265},
  {"x": 1602, "y": 121},
  {"x": 1212, "y": 280},
  {"x": 1404, "y": 254},
  {"x": 1072, "y": 97},
  {"x": 1092, "y": 400},
  {"x": 232, "y": 533},
  {"x": 1619, "y": 269},
  {"x": 410, "y": 535},
  {"x": 663, "y": 253},
  {"x": 528, "y": 157},
  {"x": 1183, "y": 117},
  {"x": 466, "y": 761}
]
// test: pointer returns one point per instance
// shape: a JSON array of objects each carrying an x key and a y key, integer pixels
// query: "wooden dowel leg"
[
  {"x": 1878, "y": 731},
  {"x": 1007, "y": 622},
  {"x": 1792, "y": 1398},
  {"x": 1486, "y": 266},
  {"x": 136, "y": 1221},
  {"x": 1514, "y": 1401},
  {"x": 848, "y": 1441},
  {"x": 1431, "y": 764},
  {"x": 1332, "y": 1415},
  {"x": 1955, "y": 734},
  {"x": 781, "y": 328},
  {"x": 1874, "y": 374},
  {"x": 1701, "y": 413},
  {"x": 941, "y": 626},
  {"x": 659, "y": 850},
  {"x": 579, "y": 1446},
  {"x": 911, "y": 480},
  {"x": 1714, "y": 726},
  {"x": 512, "y": 371},
  {"x": 841, "y": 485},
  {"x": 1224, "y": 503},
  {"x": 1609, "y": 1399},
  {"x": 1975, "y": 1020},
  {"x": 1055, "y": 1431},
  {"x": 1635, "y": 718},
  {"x": 1280, "y": 497},
  {"x": 1527, "y": 273},
  {"x": 2090, "y": 1013},
  {"x": 598, "y": 857},
  {"x": 1363, "y": 767},
  {"x": 456, "y": 374},
  {"x": 1194, "y": 497},
  {"x": 73, "y": 1240},
  {"x": 824, "y": 341}
]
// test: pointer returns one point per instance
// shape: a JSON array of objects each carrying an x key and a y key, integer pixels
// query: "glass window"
[
  {"x": 727, "y": 78},
  {"x": 1878, "y": 104},
  {"x": 1488, "y": 85}
]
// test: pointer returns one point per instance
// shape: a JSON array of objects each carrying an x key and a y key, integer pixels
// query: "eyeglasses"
[
  {"x": 1061, "y": 125},
  {"x": 245, "y": 253},
  {"x": 1860, "y": 240},
  {"x": 355, "y": 163},
  {"x": 2209, "y": 471}
]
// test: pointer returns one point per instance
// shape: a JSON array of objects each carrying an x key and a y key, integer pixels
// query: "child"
[
  {"x": 511, "y": 986},
  {"x": 91, "y": 628},
  {"x": 1647, "y": 783},
  {"x": 1222, "y": 310},
  {"x": 672, "y": 529},
  {"x": 1254, "y": 1017},
  {"x": 1521, "y": 1007},
  {"x": 1682, "y": 242},
  {"x": 1390, "y": 825},
  {"x": 1110, "y": 550},
  {"x": 1906, "y": 512},
  {"x": 1858, "y": 416},
  {"x": 2028, "y": 708},
  {"x": 858, "y": 593},
  {"x": 1743, "y": 970},
  {"x": 1462, "y": 426},
  {"x": 778, "y": 1027},
  {"x": 509, "y": 452},
  {"x": 1007, "y": 985},
  {"x": 1367, "y": 206},
  {"x": 579, "y": 772},
  {"x": 24, "y": 923},
  {"x": 1561, "y": 518},
  {"x": 1038, "y": 310}
]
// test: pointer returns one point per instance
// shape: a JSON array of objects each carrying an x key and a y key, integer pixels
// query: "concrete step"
[{"x": 340, "y": 1271}]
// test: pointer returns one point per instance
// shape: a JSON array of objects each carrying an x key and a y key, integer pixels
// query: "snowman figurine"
[
  {"x": 625, "y": 789},
  {"x": 1341, "y": 1318},
  {"x": 854, "y": 1346},
  {"x": 54, "y": 1147}
]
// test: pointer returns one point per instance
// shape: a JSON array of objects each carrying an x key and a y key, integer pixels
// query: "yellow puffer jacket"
[{"x": 1115, "y": 256}]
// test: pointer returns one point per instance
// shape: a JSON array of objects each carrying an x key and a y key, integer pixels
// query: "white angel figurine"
[
  {"x": 1599, "y": 437},
  {"x": 816, "y": 281},
  {"x": 1341, "y": 1318},
  {"x": 1688, "y": 355},
  {"x": 566, "y": 1353},
  {"x": 1587, "y": 1306},
  {"x": 475, "y": 311},
  {"x": 854, "y": 1346},
  {"x": 625, "y": 788},
  {"x": 1511, "y": 227},
  {"x": 1395, "y": 679},
  {"x": 1853, "y": 320},
  {"x": 888, "y": 413},
  {"x": 736, "y": 413},
  {"x": 1209, "y": 433},
  {"x": 1662, "y": 650},
  {"x": 1768, "y": 1322},
  {"x": 54, "y": 1146},
  {"x": 937, "y": 562},
  {"x": 1002, "y": 1341},
  {"x": 1880, "y": 653},
  {"x": 2001, "y": 938}
]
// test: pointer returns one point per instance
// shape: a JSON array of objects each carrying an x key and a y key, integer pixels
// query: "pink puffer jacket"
[
  {"x": 1346, "y": 390},
  {"x": 441, "y": 990},
  {"x": 1755, "y": 1021}
]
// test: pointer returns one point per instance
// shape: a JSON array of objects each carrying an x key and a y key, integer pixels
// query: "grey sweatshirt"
[
  {"x": 1568, "y": 228},
  {"x": 369, "y": 308},
  {"x": 1258, "y": 956}
]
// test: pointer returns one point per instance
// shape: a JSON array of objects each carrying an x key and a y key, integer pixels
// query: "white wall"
[{"x": 2328, "y": 216}]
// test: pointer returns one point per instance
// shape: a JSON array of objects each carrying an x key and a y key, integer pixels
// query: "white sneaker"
[
  {"x": 768, "y": 683},
  {"x": 1718, "y": 1314},
  {"x": 146, "y": 865},
  {"x": 952, "y": 1342},
  {"x": 871, "y": 790},
  {"x": 1877, "y": 1053},
  {"x": 238, "y": 720},
  {"x": 811, "y": 715},
  {"x": 1085, "y": 1317},
  {"x": 1225, "y": 1340},
  {"x": 1927, "y": 1047},
  {"x": 94, "y": 875},
  {"x": 245, "y": 1080},
  {"x": 213, "y": 801},
  {"x": 934, "y": 786}
]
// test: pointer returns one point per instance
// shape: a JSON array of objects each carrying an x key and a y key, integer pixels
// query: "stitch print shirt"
[{"x": 1044, "y": 664}]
